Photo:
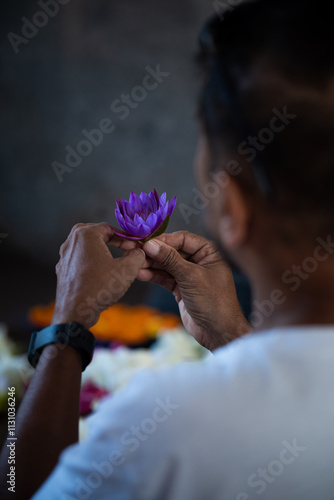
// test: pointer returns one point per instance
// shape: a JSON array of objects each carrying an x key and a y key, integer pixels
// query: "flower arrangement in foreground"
[
  {"x": 120, "y": 323},
  {"x": 112, "y": 367},
  {"x": 122, "y": 326},
  {"x": 145, "y": 216}
]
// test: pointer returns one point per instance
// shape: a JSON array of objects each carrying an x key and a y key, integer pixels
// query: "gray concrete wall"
[{"x": 64, "y": 80}]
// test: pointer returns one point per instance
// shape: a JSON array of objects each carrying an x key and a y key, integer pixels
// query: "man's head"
[{"x": 268, "y": 104}]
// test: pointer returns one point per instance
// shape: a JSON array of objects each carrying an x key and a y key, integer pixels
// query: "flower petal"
[
  {"x": 161, "y": 229},
  {"x": 143, "y": 197},
  {"x": 151, "y": 202},
  {"x": 165, "y": 210},
  {"x": 133, "y": 230},
  {"x": 136, "y": 202},
  {"x": 143, "y": 231},
  {"x": 154, "y": 202},
  {"x": 172, "y": 204},
  {"x": 144, "y": 216},
  {"x": 156, "y": 196},
  {"x": 128, "y": 219},
  {"x": 151, "y": 221},
  {"x": 120, "y": 218},
  {"x": 128, "y": 209},
  {"x": 159, "y": 214},
  {"x": 128, "y": 237},
  {"x": 145, "y": 204},
  {"x": 163, "y": 200},
  {"x": 119, "y": 205},
  {"x": 138, "y": 220}
]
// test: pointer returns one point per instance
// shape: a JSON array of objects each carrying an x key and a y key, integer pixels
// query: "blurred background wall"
[{"x": 61, "y": 71}]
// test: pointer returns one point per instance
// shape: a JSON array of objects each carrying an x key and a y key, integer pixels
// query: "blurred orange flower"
[{"x": 123, "y": 323}]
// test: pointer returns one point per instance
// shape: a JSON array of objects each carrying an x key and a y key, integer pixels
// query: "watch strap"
[{"x": 72, "y": 334}]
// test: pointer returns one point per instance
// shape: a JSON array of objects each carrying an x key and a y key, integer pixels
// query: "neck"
[{"x": 301, "y": 301}]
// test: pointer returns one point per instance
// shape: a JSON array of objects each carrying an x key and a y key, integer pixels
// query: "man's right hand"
[{"x": 192, "y": 268}]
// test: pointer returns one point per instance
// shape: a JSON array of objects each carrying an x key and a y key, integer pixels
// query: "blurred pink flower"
[{"x": 89, "y": 395}]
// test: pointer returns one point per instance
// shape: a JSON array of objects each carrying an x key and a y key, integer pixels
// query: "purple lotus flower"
[{"x": 144, "y": 217}]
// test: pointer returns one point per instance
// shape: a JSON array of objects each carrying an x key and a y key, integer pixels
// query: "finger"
[
  {"x": 148, "y": 262},
  {"x": 177, "y": 294},
  {"x": 190, "y": 246},
  {"x": 158, "y": 278},
  {"x": 123, "y": 244},
  {"x": 183, "y": 240},
  {"x": 66, "y": 243},
  {"x": 105, "y": 230},
  {"x": 168, "y": 258},
  {"x": 102, "y": 229},
  {"x": 79, "y": 226},
  {"x": 107, "y": 233},
  {"x": 145, "y": 274},
  {"x": 131, "y": 263}
]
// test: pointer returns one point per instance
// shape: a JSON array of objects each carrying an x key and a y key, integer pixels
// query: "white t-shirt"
[{"x": 254, "y": 421}]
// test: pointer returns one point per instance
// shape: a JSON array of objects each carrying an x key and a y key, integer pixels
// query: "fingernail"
[{"x": 152, "y": 248}]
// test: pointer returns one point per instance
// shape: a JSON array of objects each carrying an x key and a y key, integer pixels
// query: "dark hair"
[{"x": 294, "y": 39}]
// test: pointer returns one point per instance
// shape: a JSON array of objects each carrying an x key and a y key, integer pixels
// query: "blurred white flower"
[
  {"x": 112, "y": 369},
  {"x": 15, "y": 370}
]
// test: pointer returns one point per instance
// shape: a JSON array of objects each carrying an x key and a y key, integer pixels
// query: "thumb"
[{"x": 168, "y": 258}]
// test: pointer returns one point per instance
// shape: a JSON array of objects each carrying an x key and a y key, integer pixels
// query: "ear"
[{"x": 234, "y": 221}]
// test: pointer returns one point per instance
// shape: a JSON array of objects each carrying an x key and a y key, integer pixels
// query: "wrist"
[
  {"x": 63, "y": 357},
  {"x": 226, "y": 331},
  {"x": 63, "y": 316}
]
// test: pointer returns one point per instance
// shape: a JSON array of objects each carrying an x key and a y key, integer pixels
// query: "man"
[{"x": 256, "y": 419}]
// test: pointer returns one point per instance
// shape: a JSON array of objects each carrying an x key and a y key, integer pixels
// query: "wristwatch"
[{"x": 72, "y": 334}]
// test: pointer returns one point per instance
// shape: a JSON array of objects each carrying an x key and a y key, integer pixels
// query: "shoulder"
[{"x": 175, "y": 426}]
